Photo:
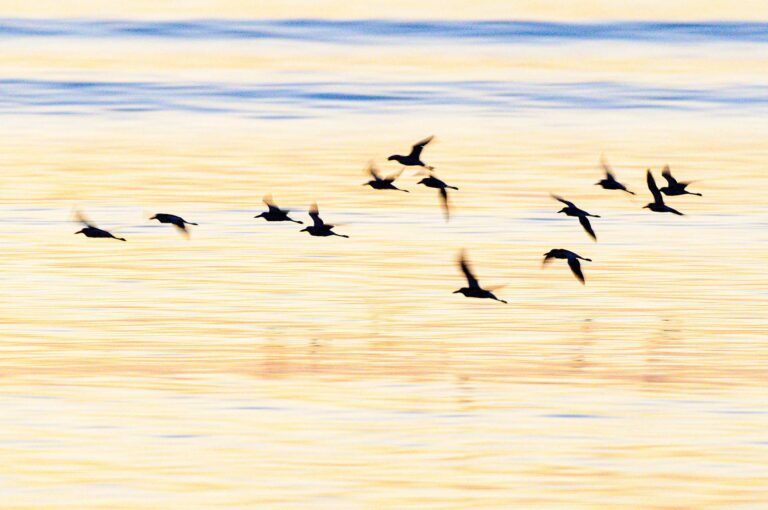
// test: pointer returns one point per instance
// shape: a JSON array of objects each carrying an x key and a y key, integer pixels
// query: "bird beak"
[
  {"x": 79, "y": 232},
  {"x": 455, "y": 292}
]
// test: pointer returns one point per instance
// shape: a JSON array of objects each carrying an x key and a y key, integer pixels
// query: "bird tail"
[
  {"x": 121, "y": 238},
  {"x": 630, "y": 192},
  {"x": 190, "y": 223}
]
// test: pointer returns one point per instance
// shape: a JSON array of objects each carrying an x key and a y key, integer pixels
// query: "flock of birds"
[{"x": 321, "y": 229}]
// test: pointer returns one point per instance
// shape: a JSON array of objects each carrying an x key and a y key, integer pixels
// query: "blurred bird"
[
  {"x": 414, "y": 158},
  {"x": 434, "y": 182},
  {"x": 572, "y": 210},
  {"x": 474, "y": 290},
  {"x": 610, "y": 181},
  {"x": 319, "y": 228},
  {"x": 177, "y": 221},
  {"x": 275, "y": 213},
  {"x": 379, "y": 182},
  {"x": 573, "y": 260},
  {"x": 92, "y": 230},
  {"x": 673, "y": 187},
  {"x": 658, "y": 204}
]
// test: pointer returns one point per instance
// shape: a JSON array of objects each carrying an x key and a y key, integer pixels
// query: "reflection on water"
[{"x": 252, "y": 365}]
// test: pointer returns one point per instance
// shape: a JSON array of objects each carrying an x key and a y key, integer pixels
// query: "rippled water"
[{"x": 255, "y": 366}]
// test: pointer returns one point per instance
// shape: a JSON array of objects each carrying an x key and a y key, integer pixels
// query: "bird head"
[
  {"x": 259, "y": 216},
  {"x": 462, "y": 290},
  {"x": 562, "y": 210},
  {"x": 549, "y": 253},
  {"x": 79, "y": 231},
  {"x": 305, "y": 229},
  {"x": 423, "y": 181},
  {"x": 394, "y": 158},
  {"x": 647, "y": 206}
]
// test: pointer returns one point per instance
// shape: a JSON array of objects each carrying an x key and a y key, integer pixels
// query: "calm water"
[{"x": 255, "y": 366}]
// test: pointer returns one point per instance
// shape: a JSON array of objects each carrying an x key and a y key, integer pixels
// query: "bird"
[
  {"x": 658, "y": 204},
  {"x": 275, "y": 213},
  {"x": 473, "y": 290},
  {"x": 433, "y": 182},
  {"x": 319, "y": 228},
  {"x": 673, "y": 187},
  {"x": 573, "y": 260},
  {"x": 414, "y": 158},
  {"x": 92, "y": 230},
  {"x": 610, "y": 181},
  {"x": 379, "y": 182},
  {"x": 176, "y": 221},
  {"x": 572, "y": 210}
]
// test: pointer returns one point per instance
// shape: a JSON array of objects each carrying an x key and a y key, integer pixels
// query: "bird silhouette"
[
  {"x": 572, "y": 210},
  {"x": 571, "y": 257},
  {"x": 379, "y": 182},
  {"x": 92, "y": 230},
  {"x": 673, "y": 187},
  {"x": 414, "y": 158},
  {"x": 433, "y": 182},
  {"x": 658, "y": 204},
  {"x": 177, "y": 221},
  {"x": 319, "y": 228},
  {"x": 275, "y": 213},
  {"x": 473, "y": 290},
  {"x": 610, "y": 181}
]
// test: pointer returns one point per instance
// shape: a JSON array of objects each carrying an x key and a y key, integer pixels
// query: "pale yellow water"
[{"x": 254, "y": 366}]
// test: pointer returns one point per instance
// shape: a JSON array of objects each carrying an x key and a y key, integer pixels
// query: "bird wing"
[
  {"x": 471, "y": 280},
  {"x": 269, "y": 203},
  {"x": 587, "y": 226},
  {"x": 314, "y": 213},
  {"x": 575, "y": 266},
  {"x": 654, "y": 189},
  {"x": 608, "y": 170},
  {"x": 671, "y": 181},
  {"x": 418, "y": 147},
  {"x": 393, "y": 177},
  {"x": 80, "y": 217},
  {"x": 444, "y": 203},
  {"x": 373, "y": 172},
  {"x": 561, "y": 199}
]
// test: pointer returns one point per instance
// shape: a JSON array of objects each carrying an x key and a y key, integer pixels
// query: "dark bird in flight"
[
  {"x": 572, "y": 210},
  {"x": 434, "y": 182},
  {"x": 92, "y": 230},
  {"x": 610, "y": 181},
  {"x": 673, "y": 187},
  {"x": 573, "y": 260},
  {"x": 319, "y": 228},
  {"x": 658, "y": 204},
  {"x": 176, "y": 221},
  {"x": 275, "y": 213},
  {"x": 414, "y": 158},
  {"x": 379, "y": 182},
  {"x": 473, "y": 290}
]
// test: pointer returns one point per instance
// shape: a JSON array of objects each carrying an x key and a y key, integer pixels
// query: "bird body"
[
  {"x": 658, "y": 204},
  {"x": 319, "y": 228},
  {"x": 274, "y": 213},
  {"x": 91, "y": 230},
  {"x": 674, "y": 187},
  {"x": 382, "y": 183},
  {"x": 571, "y": 210},
  {"x": 414, "y": 158},
  {"x": 571, "y": 257},
  {"x": 473, "y": 290},
  {"x": 176, "y": 221},
  {"x": 610, "y": 181},
  {"x": 433, "y": 182}
]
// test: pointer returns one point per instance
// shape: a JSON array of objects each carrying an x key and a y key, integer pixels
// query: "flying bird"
[
  {"x": 275, "y": 213},
  {"x": 91, "y": 230},
  {"x": 319, "y": 228},
  {"x": 572, "y": 210},
  {"x": 434, "y": 182},
  {"x": 177, "y": 221},
  {"x": 673, "y": 187},
  {"x": 610, "y": 181},
  {"x": 658, "y": 204},
  {"x": 379, "y": 182},
  {"x": 571, "y": 257},
  {"x": 473, "y": 290},
  {"x": 414, "y": 158}
]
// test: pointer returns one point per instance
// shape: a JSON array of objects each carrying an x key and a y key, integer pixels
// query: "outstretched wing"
[
  {"x": 587, "y": 226},
  {"x": 417, "y": 148},
  {"x": 471, "y": 280},
  {"x": 561, "y": 199},
  {"x": 80, "y": 217},
  {"x": 314, "y": 213},
  {"x": 654, "y": 189},
  {"x": 373, "y": 172},
  {"x": 607, "y": 169},
  {"x": 671, "y": 181},
  {"x": 444, "y": 203},
  {"x": 575, "y": 266},
  {"x": 269, "y": 203},
  {"x": 393, "y": 177}
]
